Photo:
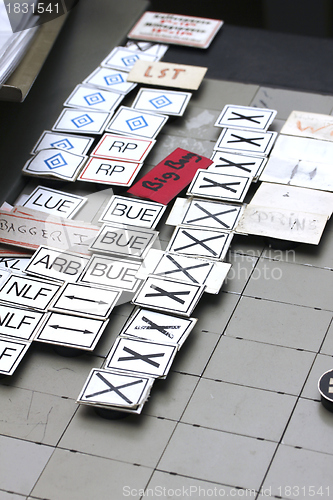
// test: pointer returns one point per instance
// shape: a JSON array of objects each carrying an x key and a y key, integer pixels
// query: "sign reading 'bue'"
[{"x": 170, "y": 176}]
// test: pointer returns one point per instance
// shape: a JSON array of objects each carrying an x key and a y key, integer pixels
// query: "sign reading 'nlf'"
[{"x": 170, "y": 176}]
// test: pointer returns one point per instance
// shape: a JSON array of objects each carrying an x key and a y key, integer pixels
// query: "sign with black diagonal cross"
[
  {"x": 158, "y": 327},
  {"x": 208, "y": 243},
  {"x": 140, "y": 356},
  {"x": 219, "y": 186},
  {"x": 205, "y": 214},
  {"x": 245, "y": 117},
  {"x": 121, "y": 391},
  {"x": 237, "y": 164},
  {"x": 168, "y": 295},
  {"x": 245, "y": 141}
]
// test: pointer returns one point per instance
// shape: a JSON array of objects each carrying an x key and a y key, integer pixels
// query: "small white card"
[
  {"x": 168, "y": 295},
  {"x": 201, "y": 242},
  {"x": 75, "y": 144},
  {"x": 313, "y": 125},
  {"x": 123, "y": 148},
  {"x": 121, "y": 391},
  {"x": 119, "y": 274},
  {"x": 137, "y": 123},
  {"x": 71, "y": 331},
  {"x": 56, "y": 264},
  {"x": 186, "y": 269},
  {"x": 14, "y": 264},
  {"x": 11, "y": 354},
  {"x": 18, "y": 322},
  {"x": 85, "y": 96},
  {"x": 219, "y": 186},
  {"x": 55, "y": 163},
  {"x": 245, "y": 117},
  {"x": 140, "y": 356},
  {"x": 123, "y": 240},
  {"x": 112, "y": 172},
  {"x": 237, "y": 164},
  {"x": 246, "y": 141},
  {"x": 158, "y": 327},
  {"x": 133, "y": 212},
  {"x": 81, "y": 121},
  {"x": 28, "y": 292},
  {"x": 110, "y": 79},
  {"x": 54, "y": 202},
  {"x": 205, "y": 214},
  {"x": 87, "y": 301},
  {"x": 165, "y": 102},
  {"x": 124, "y": 59}
]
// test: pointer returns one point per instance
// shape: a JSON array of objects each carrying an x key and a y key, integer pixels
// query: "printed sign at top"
[
  {"x": 177, "y": 29},
  {"x": 170, "y": 176}
]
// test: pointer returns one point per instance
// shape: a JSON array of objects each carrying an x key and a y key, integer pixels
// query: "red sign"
[{"x": 170, "y": 176}]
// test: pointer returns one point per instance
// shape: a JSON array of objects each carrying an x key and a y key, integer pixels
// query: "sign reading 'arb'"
[{"x": 170, "y": 176}]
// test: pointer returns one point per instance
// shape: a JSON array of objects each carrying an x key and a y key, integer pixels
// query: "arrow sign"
[
  {"x": 71, "y": 331},
  {"x": 72, "y": 297}
]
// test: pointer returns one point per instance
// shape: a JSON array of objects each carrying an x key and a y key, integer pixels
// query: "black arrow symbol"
[
  {"x": 58, "y": 327},
  {"x": 72, "y": 297}
]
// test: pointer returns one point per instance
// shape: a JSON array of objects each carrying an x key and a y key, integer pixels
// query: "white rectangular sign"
[
  {"x": 168, "y": 295},
  {"x": 28, "y": 292},
  {"x": 138, "y": 123},
  {"x": 18, "y": 322},
  {"x": 71, "y": 331},
  {"x": 219, "y": 186},
  {"x": 133, "y": 212},
  {"x": 124, "y": 59},
  {"x": 14, "y": 264},
  {"x": 114, "y": 273},
  {"x": 85, "y": 96},
  {"x": 110, "y": 79},
  {"x": 205, "y": 214},
  {"x": 237, "y": 164},
  {"x": 11, "y": 354},
  {"x": 125, "y": 241},
  {"x": 76, "y": 144},
  {"x": 123, "y": 148},
  {"x": 87, "y": 301},
  {"x": 112, "y": 172},
  {"x": 158, "y": 327},
  {"x": 56, "y": 264},
  {"x": 246, "y": 141},
  {"x": 245, "y": 117},
  {"x": 139, "y": 356},
  {"x": 81, "y": 121},
  {"x": 201, "y": 242},
  {"x": 55, "y": 163},
  {"x": 54, "y": 202},
  {"x": 166, "y": 102}
]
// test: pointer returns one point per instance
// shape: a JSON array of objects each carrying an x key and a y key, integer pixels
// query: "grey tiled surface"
[{"x": 240, "y": 407}]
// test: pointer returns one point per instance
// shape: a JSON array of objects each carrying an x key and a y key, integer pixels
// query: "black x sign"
[
  {"x": 144, "y": 357},
  {"x": 247, "y": 140},
  {"x": 241, "y": 166},
  {"x": 209, "y": 215},
  {"x": 166, "y": 293},
  {"x": 183, "y": 270},
  {"x": 112, "y": 388},
  {"x": 239, "y": 116},
  {"x": 223, "y": 185},
  {"x": 200, "y": 242}
]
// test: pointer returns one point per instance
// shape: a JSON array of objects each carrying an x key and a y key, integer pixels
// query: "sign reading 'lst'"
[{"x": 170, "y": 176}]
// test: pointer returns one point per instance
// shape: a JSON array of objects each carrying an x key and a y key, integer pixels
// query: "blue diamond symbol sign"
[
  {"x": 82, "y": 121},
  {"x": 93, "y": 99},
  {"x": 63, "y": 144},
  {"x": 56, "y": 161},
  {"x": 160, "y": 101},
  {"x": 130, "y": 60},
  {"x": 136, "y": 123},
  {"x": 114, "y": 79}
]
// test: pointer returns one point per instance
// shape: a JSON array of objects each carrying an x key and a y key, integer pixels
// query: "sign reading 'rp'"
[{"x": 170, "y": 176}]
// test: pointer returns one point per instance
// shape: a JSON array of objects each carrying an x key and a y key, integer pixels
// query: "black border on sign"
[
  {"x": 89, "y": 141},
  {"x": 92, "y": 346},
  {"x": 114, "y": 51},
  {"x": 204, "y": 172},
  {"x": 139, "y": 112},
  {"x": 260, "y": 159},
  {"x": 172, "y": 347},
  {"x": 51, "y": 174},
  {"x": 272, "y": 113},
  {"x": 118, "y": 100},
  {"x": 189, "y": 308},
  {"x": 114, "y": 198},
  {"x": 30, "y": 311},
  {"x": 19, "y": 358},
  {"x": 187, "y": 97},
  {"x": 83, "y": 110},
  {"x": 116, "y": 71},
  {"x": 265, "y": 152},
  {"x": 81, "y": 199},
  {"x": 180, "y": 255},
  {"x": 226, "y": 204}
]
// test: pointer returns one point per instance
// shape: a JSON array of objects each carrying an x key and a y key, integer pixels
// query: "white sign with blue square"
[
  {"x": 162, "y": 101},
  {"x": 110, "y": 79},
  {"x": 124, "y": 59},
  {"x": 137, "y": 123},
  {"x": 55, "y": 163},
  {"x": 88, "y": 97},
  {"x": 76, "y": 144},
  {"x": 81, "y": 121}
]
